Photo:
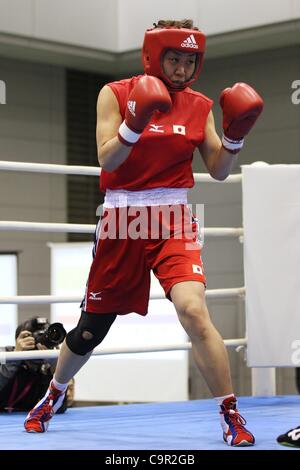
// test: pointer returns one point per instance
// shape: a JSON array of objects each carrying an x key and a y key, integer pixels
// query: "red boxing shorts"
[{"x": 129, "y": 242}]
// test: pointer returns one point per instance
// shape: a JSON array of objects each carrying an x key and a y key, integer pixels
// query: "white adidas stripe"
[{"x": 190, "y": 42}]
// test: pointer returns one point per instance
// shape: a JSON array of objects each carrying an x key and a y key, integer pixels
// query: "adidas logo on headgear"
[
  {"x": 190, "y": 42},
  {"x": 131, "y": 107}
]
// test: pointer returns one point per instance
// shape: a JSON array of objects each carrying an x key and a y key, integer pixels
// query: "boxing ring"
[{"x": 189, "y": 425}]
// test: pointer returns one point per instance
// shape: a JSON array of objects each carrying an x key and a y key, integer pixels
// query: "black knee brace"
[{"x": 95, "y": 324}]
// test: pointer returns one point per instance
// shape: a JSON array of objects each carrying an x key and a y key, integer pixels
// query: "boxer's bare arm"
[
  {"x": 111, "y": 152},
  {"x": 217, "y": 159}
]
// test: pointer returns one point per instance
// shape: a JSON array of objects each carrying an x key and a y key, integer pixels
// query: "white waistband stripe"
[{"x": 148, "y": 197}]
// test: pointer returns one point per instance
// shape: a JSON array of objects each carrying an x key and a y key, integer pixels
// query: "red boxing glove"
[
  {"x": 148, "y": 95},
  {"x": 241, "y": 107}
]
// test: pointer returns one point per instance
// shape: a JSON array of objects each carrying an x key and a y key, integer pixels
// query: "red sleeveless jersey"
[{"x": 163, "y": 155}]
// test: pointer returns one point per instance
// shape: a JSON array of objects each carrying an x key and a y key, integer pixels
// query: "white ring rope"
[
  {"x": 56, "y": 299},
  {"x": 50, "y": 168},
  {"x": 90, "y": 228},
  {"x": 53, "y": 353},
  {"x": 91, "y": 171},
  {"x": 46, "y": 227}
]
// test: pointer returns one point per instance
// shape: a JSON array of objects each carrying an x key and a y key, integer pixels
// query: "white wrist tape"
[
  {"x": 130, "y": 137},
  {"x": 232, "y": 145}
]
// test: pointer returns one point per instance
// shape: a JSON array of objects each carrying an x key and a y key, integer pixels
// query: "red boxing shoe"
[
  {"x": 234, "y": 431},
  {"x": 38, "y": 418}
]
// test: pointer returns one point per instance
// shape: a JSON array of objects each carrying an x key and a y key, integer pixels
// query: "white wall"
[
  {"x": 211, "y": 16},
  {"x": 118, "y": 25},
  {"x": 22, "y": 23},
  {"x": 217, "y": 16},
  {"x": 85, "y": 23}
]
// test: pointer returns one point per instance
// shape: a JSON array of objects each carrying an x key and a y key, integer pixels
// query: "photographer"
[{"x": 22, "y": 383}]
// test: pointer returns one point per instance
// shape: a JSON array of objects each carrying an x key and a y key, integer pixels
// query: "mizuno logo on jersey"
[
  {"x": 156, "y": 128},
  {"x": 94, "y": 296},
  {"x": 190, "y": 41},
  {"x": 131, "y": 107}
]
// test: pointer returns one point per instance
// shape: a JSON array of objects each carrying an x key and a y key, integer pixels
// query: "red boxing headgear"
[{"x": 158, "y": 40}]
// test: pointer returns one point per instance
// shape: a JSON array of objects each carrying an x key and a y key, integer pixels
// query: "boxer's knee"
[
  {"x": 90, "y": 332},
  {"x": 87, "y": 335}
]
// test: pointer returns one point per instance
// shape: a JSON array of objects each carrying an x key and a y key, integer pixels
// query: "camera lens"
[{"x": 56, "y": 333}]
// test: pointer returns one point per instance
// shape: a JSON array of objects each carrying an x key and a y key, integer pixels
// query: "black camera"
[{"x": 44, "y": 333}]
